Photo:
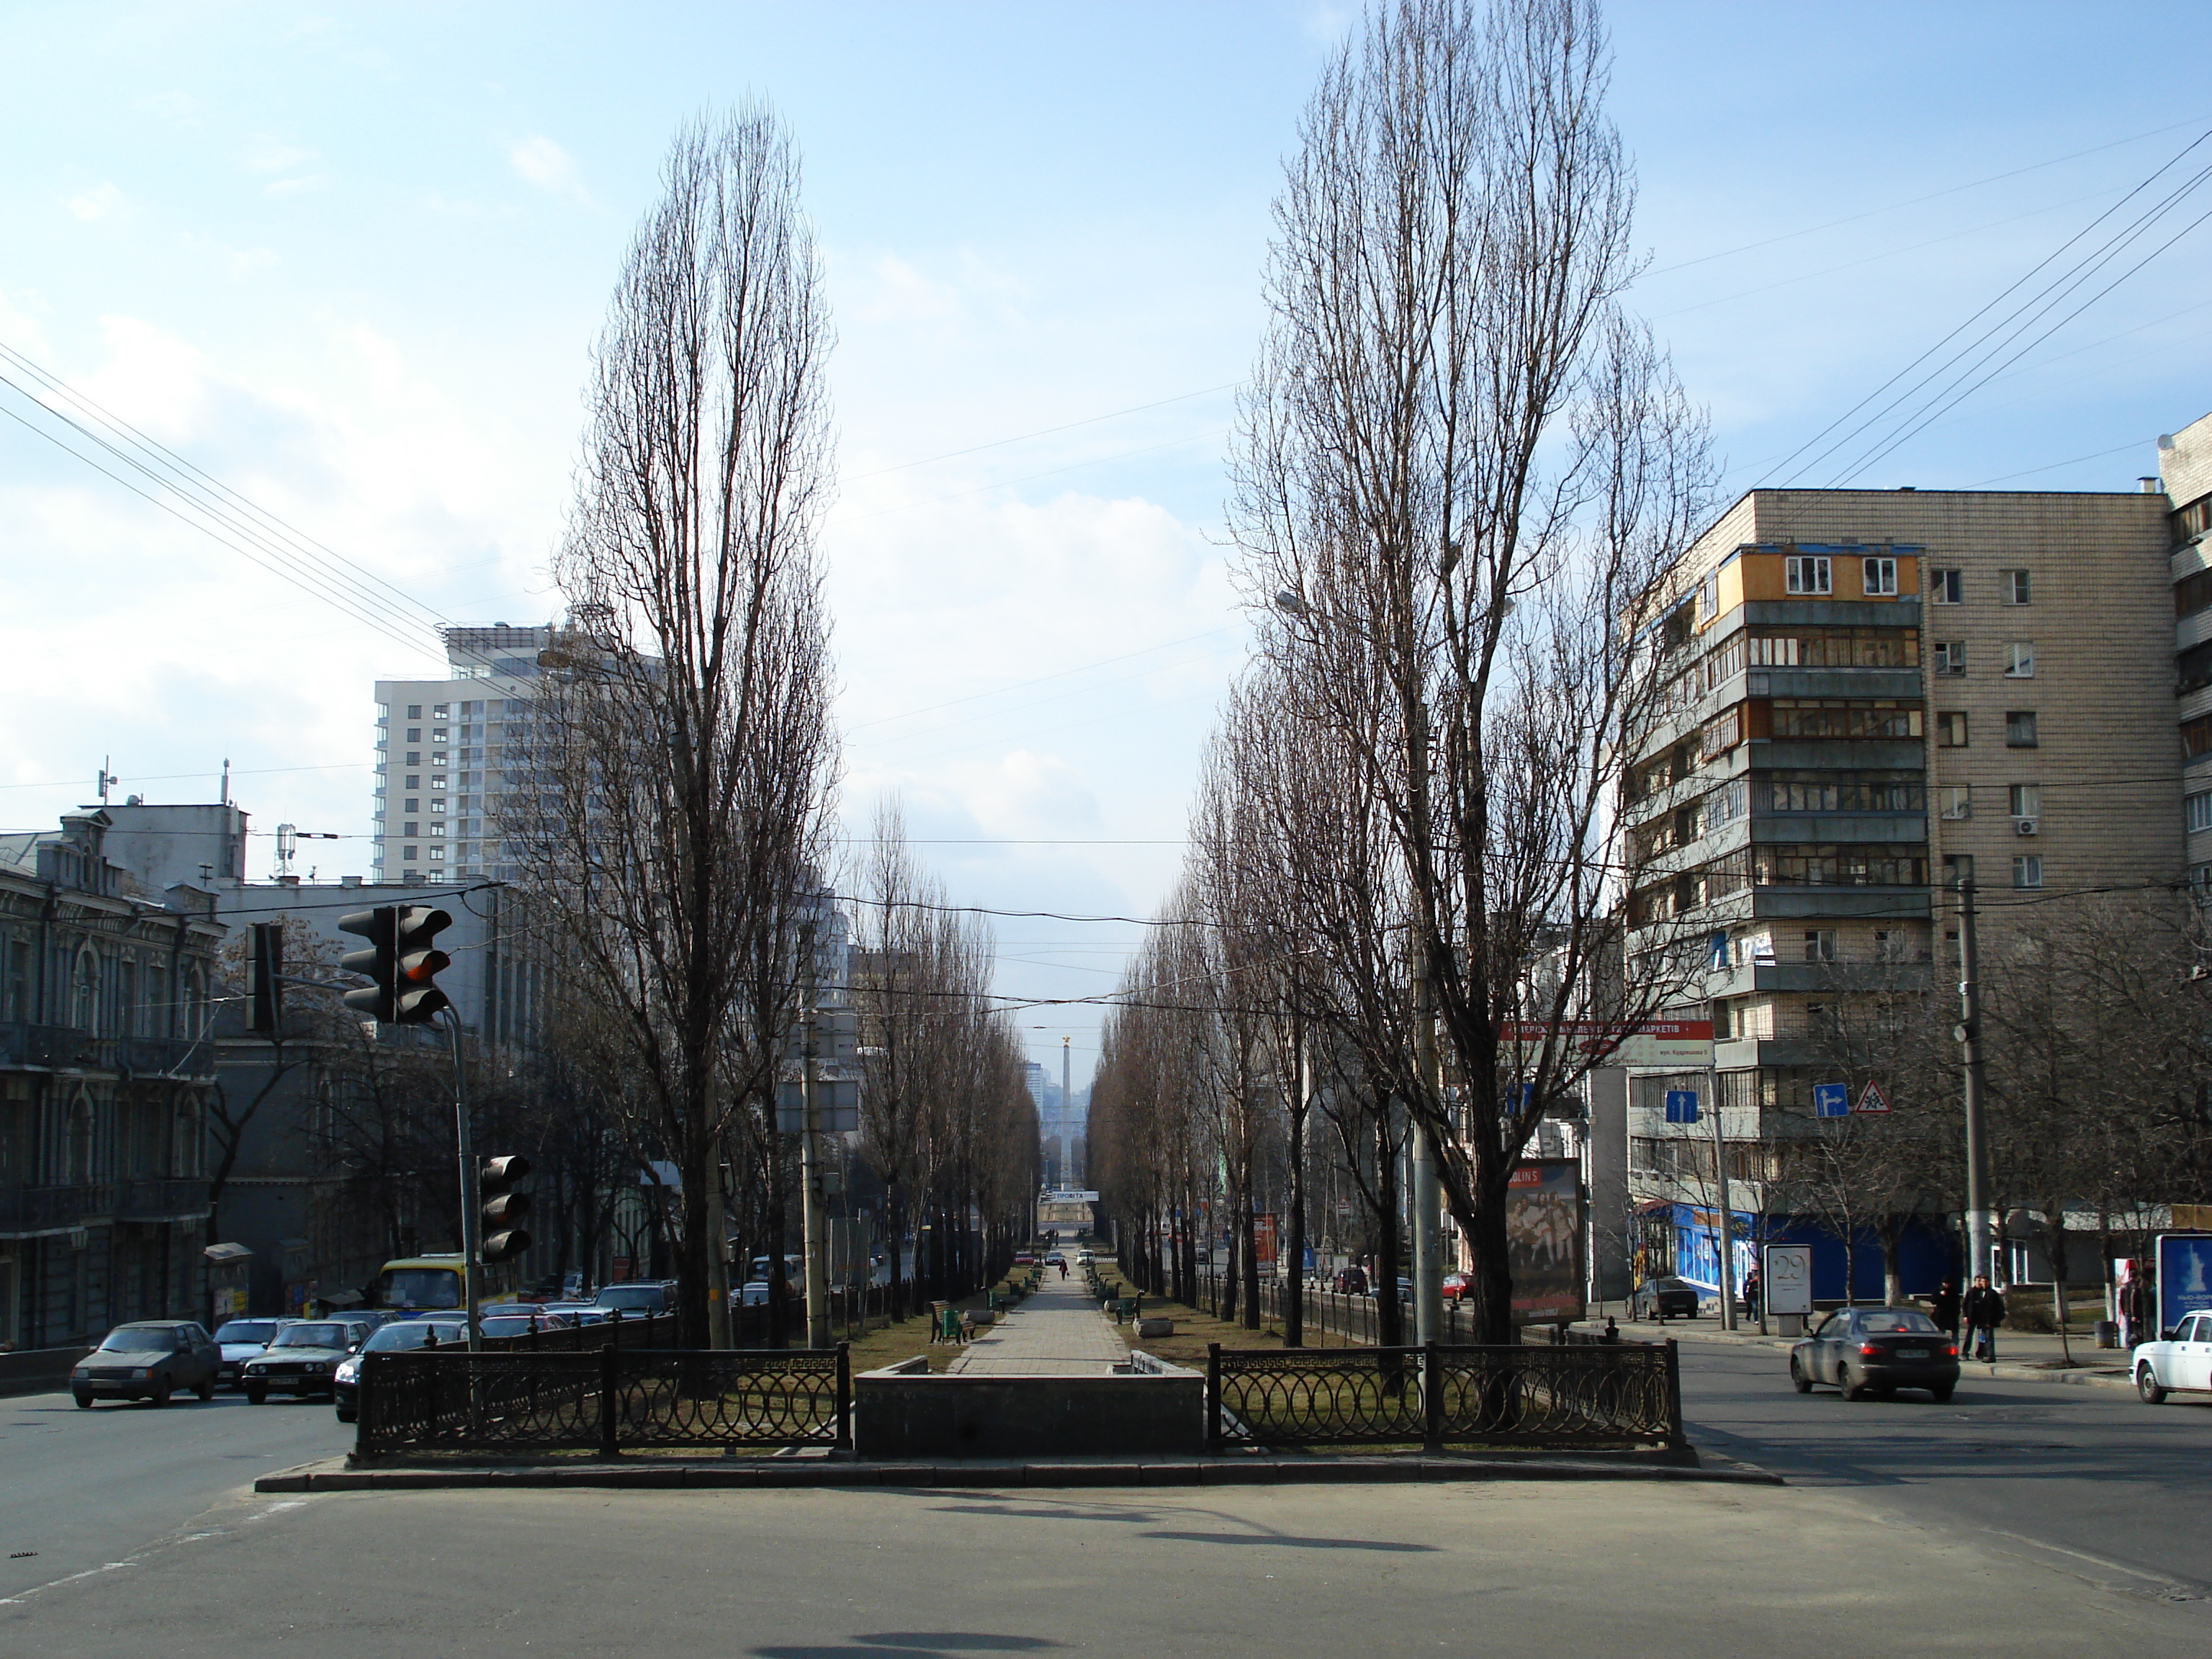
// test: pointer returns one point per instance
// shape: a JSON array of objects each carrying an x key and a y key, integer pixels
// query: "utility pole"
[
  {"x": 814, "y": 1212},
  {"x": 1723, "y": 1219},
  {"x": 471, "y": 1220},
  {"x": 1426, "y": 1197},
  {"x": 1980, "y": 1222}
]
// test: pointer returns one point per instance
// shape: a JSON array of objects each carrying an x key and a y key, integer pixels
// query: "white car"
[{"x": 2183, "y": 1360}]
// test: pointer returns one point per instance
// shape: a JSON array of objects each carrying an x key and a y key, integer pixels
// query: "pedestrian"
[
  {"x": 1753, "y": 1288},
  {"x": 1983, "y": 1311},
  {"x": 1063, "y": 1266},
  {"x": 2138, "y": 1309},
  {"x": 1943, "y": 1308}
]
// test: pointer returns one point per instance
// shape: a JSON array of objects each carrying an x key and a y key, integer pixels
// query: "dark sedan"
[
  {"x": 302, "y": 1358},
  {"x": 1663, "y": 1299},
  {"x": 402, "y": 1336},
  {"x": 1865, "y": 1351},
  {"x": 148, "y": 1360}
]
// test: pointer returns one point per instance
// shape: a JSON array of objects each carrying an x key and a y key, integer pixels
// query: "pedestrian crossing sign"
[{"x": 1874, "y": 1100}]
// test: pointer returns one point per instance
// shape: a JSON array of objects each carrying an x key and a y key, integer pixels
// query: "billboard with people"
[{"x": 1543, "y": 1240}]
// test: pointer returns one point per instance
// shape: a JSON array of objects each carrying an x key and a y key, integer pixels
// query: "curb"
[
  {"x": 331, "y": 1475},
  {"x": 2000, "y": 1371}
]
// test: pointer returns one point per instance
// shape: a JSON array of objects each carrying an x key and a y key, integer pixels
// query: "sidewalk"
[
  {"x": 2023, "y": 1355},
  {"x": 1059, "y": 1332}
]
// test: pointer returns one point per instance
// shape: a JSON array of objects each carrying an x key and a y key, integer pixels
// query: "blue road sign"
[
  {"x": 1832, "y": 1100},
  {"x": 1681, "y": 1105}
]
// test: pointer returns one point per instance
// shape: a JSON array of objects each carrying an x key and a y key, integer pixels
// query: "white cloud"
[
  {"x": 547, "y": 166},
  {"x": 101, "y": 202},
  {"x": 264, "y": 153}
]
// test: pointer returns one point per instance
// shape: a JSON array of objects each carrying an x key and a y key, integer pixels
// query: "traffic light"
[
  {"x": 265, "y": 983},
  {"x": 501, "y": 1206},
  {"x": 400, "y": 960}
]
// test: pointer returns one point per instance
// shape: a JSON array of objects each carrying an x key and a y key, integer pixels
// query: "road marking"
[
  {"x": 2169, "y": 1589},
  {"x": 156, "y": 1548}
]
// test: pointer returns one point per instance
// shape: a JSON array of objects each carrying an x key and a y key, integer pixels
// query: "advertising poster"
[
  {"x": 1543, "y": 1240},
  {"x": 1263, "y": 1239},
  {"x": 2185, "y": 1277}
]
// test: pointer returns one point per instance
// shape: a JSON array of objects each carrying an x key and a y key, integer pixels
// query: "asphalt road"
[
  {"x": 2090, "y": 1481},
  {"x": 81, "y": 1489}
]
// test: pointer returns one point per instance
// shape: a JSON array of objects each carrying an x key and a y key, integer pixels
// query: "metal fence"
[
  {"x": 1600, "y": 1395},
  {"x": 609, "y": 1400},
  {"x": 1356, "y": 1319}
]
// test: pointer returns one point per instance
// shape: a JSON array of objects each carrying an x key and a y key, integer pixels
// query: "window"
[
  {"x": 1950, "y": 656},
  {"x": 1805, "y": 572},
  {"x": 2020, "y": 659},
  {"x": 2020, "y": 729},
  {"x": 436, "y": 760},
  {"x": 412, "y": 803},
  {"x": 407, "y": 852},
  {"x": 2196, "y": 737},
  {"x": 1945, "y": 587},
  {"x": 2025, "y": 799},
  {"x": 415, "y": 712},
  {"x": 2199, "y": 809},
  {"x": 2013, "y": 585},
  {"x": 1957, "y": 867},
  {"x": 436, "y": 829},
  {"x": 438, "y": 711},
  {"x": 1878, "y": 576},
  {"x": 1709, "y": 597},
  {"x": 414, "y": 757},
  {"x": 1851, "y": 865},
  {"x": 1838, "y": 647},
  {"x": 439, "y": 734},
  {"x": 437, "y": 854},
  {"x": 1959, "y": 801},
  {"x": 1830, "y": 717},
  {"x": 437, "y": 805},
  {"x": 2192, "y": 594},
  {"x": 436, "y": 782},
  {"x": 414, "y": 780},
  {"x": 409, "y": 828},
  {"x": 2192, "y": 669},
  {"x": 1951, "y": 730},
  {"x": 1820, "y": 944},
  {"x": 414, "y": 734},
  {"x": 2027, "y": 870},
  {"x": 1842, "y": 791},
  {"x": 1774, "y": 653}
]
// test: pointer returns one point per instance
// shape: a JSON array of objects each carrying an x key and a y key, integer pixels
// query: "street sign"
[
  {"x": 836, "y": 1108},
  {"x": 1681, "y": 1105},
  {"x": 1674, "y": 1043},
  {"x": 1832, "y": 1100},
  {"x": 1786, "y": 1279},
  {"x": 836, "y": 1037},
  {"x": 1874, "y": 1100}
]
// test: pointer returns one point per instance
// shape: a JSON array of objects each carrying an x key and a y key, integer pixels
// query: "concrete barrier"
[
  {"x": 38, "y": 1370},
  {"x": 900, "y": 1413}
]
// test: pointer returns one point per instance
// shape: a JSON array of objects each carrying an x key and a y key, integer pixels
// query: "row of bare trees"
[{"x": 1460, "y": 471}]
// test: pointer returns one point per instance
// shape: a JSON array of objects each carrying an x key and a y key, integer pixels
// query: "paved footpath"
[{"x": 1059, "y": 1332}]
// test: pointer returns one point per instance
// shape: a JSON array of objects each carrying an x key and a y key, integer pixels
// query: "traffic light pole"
[{"x": 471, "y": 1222}]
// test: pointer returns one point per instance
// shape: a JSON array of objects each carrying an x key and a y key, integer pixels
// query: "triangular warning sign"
[{"x": 1874, "y": 1100}]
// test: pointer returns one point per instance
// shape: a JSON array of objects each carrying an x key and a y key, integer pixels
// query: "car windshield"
[
  {"x": 398, "y": 1339},
  {"x": 141, "y": 1338},
  {"x": 630, "y": 1295},
  {"x": 247, "y": 1330},
  {"x": 1890, "y": 1323},
  {"x": 422, "y": 1287},
  {"x": 311, "y": 1336}
]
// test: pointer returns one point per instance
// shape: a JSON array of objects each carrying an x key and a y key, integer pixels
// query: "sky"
[{"x": 350, "y": 262}]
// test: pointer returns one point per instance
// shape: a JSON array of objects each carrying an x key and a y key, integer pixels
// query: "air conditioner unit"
[{"x": 2025, "y": 826}]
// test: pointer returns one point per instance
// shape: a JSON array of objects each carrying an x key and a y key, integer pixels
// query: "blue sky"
[{"x": 350, "y": 261}]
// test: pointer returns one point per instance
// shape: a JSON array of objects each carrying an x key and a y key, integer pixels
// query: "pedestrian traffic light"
[
  {"x": 400, "y": 960},
  {"x": 266, "y": 980},
  {"x": 501, "y": 1206}
]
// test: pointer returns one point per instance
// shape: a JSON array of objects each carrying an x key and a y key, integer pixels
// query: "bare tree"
[{"x": 685, "y": 763}]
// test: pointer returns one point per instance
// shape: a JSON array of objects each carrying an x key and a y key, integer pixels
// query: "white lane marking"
[
  {"x": 2171, "y": 1586},
  {"x": 152, "y": 1549}
]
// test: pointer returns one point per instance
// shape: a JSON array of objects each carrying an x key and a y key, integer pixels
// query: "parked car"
[
  {"x": 401, "y": 1336},
  {"x": 638, "y": 1295},
  {"x": 1866, "y": 1351},
  {"x": 239, "y": 1340},
  {"x": 148, "y": 1360},
  {"x": 522, "y": 1321},
  {"x": 1023, "y": 1259},
  {"x": 1350, "y": 1281},
  {"x": 1664, "y": 1298},
  {"x": 2180, "y": 1360},
  {"x": 302, "y": 1357},
  {"x": 1458, "y": 1286}
]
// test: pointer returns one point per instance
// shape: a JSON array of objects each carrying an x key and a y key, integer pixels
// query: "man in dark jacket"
[
  {"x": 1943, "y": 1308},
  {"x": 1984, "y": 1310}
]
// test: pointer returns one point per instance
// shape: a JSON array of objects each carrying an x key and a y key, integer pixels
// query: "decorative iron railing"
[
  {"x": 608, "y": 1401},
  {"x": 1601, "y": 1395}
]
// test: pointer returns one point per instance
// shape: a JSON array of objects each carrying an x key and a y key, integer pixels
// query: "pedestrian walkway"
[{"x": 1059, "y": 1332}]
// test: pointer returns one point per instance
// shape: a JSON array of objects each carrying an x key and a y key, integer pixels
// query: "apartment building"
[
  {"x": 2185, "y": 465},
  {"x": 441, "y": 751},
  {"x": 1883, "y": 691}
]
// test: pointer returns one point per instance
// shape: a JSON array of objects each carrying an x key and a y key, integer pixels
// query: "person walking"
[
  {"x": 2138, "y": 1310},
  {"x": 1983, "y": 1311},
  {"x": 1943, "y": 1308},
  {"x": 1755, "y": 1287},
  {"x": 1063, "y": 1266}
]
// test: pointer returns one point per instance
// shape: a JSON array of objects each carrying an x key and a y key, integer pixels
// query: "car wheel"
[
  {"x": 1940, "y": 1394},
  {"x": 84, "y": 1402},
  {"x": 1854, "y": 1388},
  {"x": 256, "y": 1396},
  {"x": 161, "y": 1396},
  {"x": 345, "y": 1416},
  {"x": 206, "y": 1391},
  {"x": 2147, "y": 1386},
  {"x": 1798, "y": 1380}
]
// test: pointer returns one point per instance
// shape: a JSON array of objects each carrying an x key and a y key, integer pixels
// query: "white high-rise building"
[{"x": 440, "y": 745}]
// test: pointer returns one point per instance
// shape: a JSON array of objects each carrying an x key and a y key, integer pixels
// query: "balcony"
[
  {"x": 26, "y": 1210},
  {"x": 178, "y": 1057},
  {"x": 162, "y": 1198},
  {"x": 46, "y": 1048}
]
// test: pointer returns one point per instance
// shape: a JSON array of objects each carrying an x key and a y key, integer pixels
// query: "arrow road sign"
[
  {"x": 1681, "y": 1105},
  {"x": 1832, "y": 1100},
  {"x": 1874, "y": 1100}
]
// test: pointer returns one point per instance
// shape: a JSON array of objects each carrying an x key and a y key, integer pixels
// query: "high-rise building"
[
  {"x": 441, "y": 751},
  {"x": 2185, "y": 465}
]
